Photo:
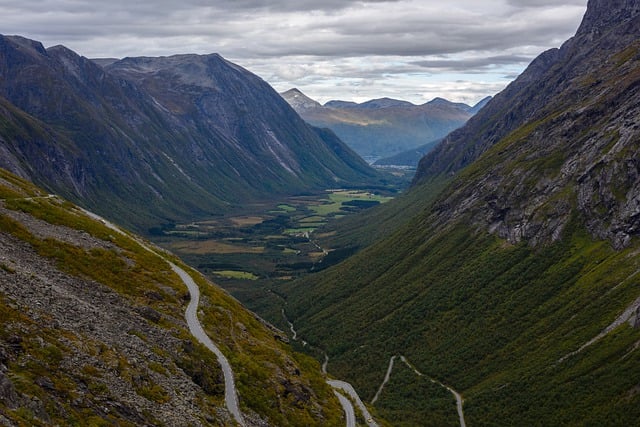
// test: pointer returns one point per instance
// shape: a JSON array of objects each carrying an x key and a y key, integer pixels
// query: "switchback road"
[{"x": 195, "y": 327}]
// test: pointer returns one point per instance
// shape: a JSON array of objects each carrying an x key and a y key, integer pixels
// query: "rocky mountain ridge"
[{"x": 603, "y": 14}]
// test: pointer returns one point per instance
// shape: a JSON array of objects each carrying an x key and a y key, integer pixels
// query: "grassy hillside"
[
  {"x": 93, "y": 332},
  {"x": 491, "y": 319}
]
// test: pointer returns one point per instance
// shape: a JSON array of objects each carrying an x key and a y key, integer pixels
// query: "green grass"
[
  {"x": 337, "y": 198},
  {"x": 313, "y": 219},
  {"x": 287, "y": 208},
  {"x": 364, "y": 228},
  {"x": 154, "y": 393}
]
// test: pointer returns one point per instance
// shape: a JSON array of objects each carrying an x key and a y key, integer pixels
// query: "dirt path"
[
  {"x": 458, "y": 396},
  {"x": 348, "y": 388},
  {"x": 195, "y": 327},
  {"x": 631, "y": 315},
  {"x": 385, "y": 381}
]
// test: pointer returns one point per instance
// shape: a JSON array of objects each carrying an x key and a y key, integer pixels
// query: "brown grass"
[
  {"x": 244, "y": 221},
  {"x": 202, "y": 247}
]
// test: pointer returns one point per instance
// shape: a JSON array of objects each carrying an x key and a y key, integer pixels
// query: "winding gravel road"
[
  {"x": 458, "y": 396},
  {"x": 349, "y": 413},
  {"x": 195, "y": 327},
  {"x": 230, "y": 393},
  {"x": 339, "y": 386},
  {"x": 348, "y": 388}
]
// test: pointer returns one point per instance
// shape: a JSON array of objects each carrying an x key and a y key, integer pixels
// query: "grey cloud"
[
  {"x": 353, "y": 43},
  {"x": 280, "y": 28},
  {"x": 469, "y": 64},
  {"x": 297, "y": 5},
  {"x": 159, "y": 7},
  {"x": 414, "y": 33},
  {"x": 543, "y": 3}
]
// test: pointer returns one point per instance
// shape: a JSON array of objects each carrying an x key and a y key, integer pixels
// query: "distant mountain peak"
[
  {"x": 439, "y": 100},
  {"x": 335, "y": 103},
  {"x": 299, "y": 100},
  {"x": 386, "y": 103},
  {"x": 197, "y": 71},
  {"x": 382, "y": 127}
]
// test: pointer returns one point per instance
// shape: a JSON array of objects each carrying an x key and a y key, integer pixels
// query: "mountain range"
[
  {"x": 148, "y": 141},
  {"x": 514, "y": 281},
  {"x": 384, "y": 127}
]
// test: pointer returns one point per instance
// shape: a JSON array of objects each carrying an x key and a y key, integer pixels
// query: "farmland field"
[{"x": 266, "y": 242}]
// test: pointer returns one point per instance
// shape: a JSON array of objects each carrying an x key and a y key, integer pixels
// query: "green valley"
[
  {"x": 491, "y": 319},
  {"x": 291, "y": 284},
  {"x": 511, "y": 270},
  {"x": 268, "y": 242}
]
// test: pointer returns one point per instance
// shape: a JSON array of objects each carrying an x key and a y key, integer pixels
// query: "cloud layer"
[{"x": 346, "y": 49}]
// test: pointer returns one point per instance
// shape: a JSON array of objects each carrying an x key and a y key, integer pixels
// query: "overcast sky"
[{"x": 415, "y": 50}]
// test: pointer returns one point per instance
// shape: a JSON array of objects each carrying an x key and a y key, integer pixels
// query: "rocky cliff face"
[
  {"x": 189, "y": 134},
  {"x": 561, "y": 140},
  {"x": 603, "y": 14}
]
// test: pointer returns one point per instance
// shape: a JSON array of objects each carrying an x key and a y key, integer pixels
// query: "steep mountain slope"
[
  {"x": 565, "y": 135},
  {"x": 518, "y": 285},
  {"x": 151, "y": 140},
  {"x": 383, "y": 127},
  {"x": 93, "y": 333}
]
